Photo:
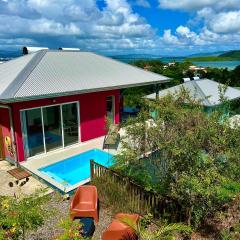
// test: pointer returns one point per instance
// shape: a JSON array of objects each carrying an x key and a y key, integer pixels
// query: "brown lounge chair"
[
  {"x": 85, "y": 203},
  {"x": 119, "y": 230}
]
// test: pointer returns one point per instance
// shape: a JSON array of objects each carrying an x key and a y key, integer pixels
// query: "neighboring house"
[
  {"x": 206, "y": 91},
  {"x": 53, "y": 99}
]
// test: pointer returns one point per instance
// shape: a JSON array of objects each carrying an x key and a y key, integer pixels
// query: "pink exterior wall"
[
  {"x": 6, "y": 131},
  {"x": 92, "y": 114}
]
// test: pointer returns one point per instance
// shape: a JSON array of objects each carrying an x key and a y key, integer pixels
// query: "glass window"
[
  {"x": 110, "y": 108},
  {"x": 70, "y": 123},
  {"x": 52, "y": 127},
  {"x": 32, "y": 132},
  {"x": 44, "y": 129}
]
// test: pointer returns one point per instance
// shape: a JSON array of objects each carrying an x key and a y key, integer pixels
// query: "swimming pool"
[{"x": 76, "y": 169}]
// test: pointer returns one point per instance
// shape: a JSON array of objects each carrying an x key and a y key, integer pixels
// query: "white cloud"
[
  {"x": 189, "y": 5},
  {"x": 16, "y": 26},
  {"x": 225, "y": 22},
  {"x": 183, "y": 37},
  {"x": 115, "y": 26},
  {"x": 45, "y": 26},
  {"x": 168, "y": 38},
  {"x": 219, "y": 16},
  {"x": 205, "y": 39},
  {"x": 142, "y": 3},
  {"x": 186, "y": 4},
  {"x": 216, "y": 23},
  {"x": 75, "y": 22},
  {"x": 185, "y": 32}
]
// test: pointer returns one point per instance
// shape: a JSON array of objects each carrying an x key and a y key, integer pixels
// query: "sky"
[{"x": 114, "y": 27}]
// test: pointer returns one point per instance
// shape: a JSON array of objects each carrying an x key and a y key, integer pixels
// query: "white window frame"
[{"x": 61, "y": 117}]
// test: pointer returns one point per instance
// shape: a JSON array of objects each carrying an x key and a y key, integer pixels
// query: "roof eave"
[{"x": 22, "y": 99}]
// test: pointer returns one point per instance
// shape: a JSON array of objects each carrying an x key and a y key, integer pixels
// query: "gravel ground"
[
  {"x": 27, "y": 188},
  {"x": 50, "y": 230}
]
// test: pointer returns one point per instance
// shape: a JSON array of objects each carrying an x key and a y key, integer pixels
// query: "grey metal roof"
[
  {"x": 204, "y": 90},
  {"x": 10, "y": 70},
  {"x": 58, "y": 73}
]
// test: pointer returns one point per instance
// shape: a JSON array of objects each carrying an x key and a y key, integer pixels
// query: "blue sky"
[{"x": 161, "y": 27}]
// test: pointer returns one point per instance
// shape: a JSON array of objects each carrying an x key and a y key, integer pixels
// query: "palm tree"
[{"x": 162, "y": 232}]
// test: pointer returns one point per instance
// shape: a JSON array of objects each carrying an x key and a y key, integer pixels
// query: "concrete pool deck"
[{"x": 34, "y": 164}]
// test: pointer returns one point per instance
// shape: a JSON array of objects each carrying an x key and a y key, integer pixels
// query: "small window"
[{"x": 110, "y": 108}]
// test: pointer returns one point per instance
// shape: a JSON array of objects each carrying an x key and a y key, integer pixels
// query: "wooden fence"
[{"x": 141, "y": 200}]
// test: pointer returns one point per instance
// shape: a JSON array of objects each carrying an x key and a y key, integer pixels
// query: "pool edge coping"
[{"x": 53, "y": 183}]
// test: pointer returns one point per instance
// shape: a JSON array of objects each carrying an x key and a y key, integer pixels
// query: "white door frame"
[{"x": 61, "y": 117}]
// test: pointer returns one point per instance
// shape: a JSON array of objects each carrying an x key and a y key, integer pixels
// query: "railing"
[{"x": 141, "y": 200}]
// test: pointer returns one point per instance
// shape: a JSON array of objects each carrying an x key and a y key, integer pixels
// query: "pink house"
[{"x": 53, "y": 99}]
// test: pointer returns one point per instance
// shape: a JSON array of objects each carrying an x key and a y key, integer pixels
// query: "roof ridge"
[
  {"x": 201, "y": 91},
  {"x": 16, "y": 84}
]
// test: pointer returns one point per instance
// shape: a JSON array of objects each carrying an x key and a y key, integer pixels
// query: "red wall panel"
[{"x": 92, "y": 114}]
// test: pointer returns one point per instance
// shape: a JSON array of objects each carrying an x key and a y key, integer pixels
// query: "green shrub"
[
  {"x": 72, "y": 230},
  {"x": 228, "y": 191},
  {"x": 195, "y": 156},
  {"x": 20, "y": 214},
  {"x": 226, "y": 234}
]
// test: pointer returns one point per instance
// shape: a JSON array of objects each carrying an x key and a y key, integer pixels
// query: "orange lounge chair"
[
  {"x": 118, "y": 230},
  {"x": 85, "y": 203}
]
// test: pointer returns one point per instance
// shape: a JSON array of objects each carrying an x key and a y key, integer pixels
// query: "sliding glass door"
[
  {"x": 47, "y": 128},
  {"x": 70, "y": 123},
  {"x": 32, "y": 132},
  {"x": 52, "y": 128}
]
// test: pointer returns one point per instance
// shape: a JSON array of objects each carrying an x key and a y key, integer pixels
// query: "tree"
[
  {"x": 225, "y": 76},
  {"x": 184, "y": 154},
  {"x": 235, "y": 76}
]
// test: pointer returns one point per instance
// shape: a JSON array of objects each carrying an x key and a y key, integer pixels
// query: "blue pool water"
[{"x": 77, "y": 168}]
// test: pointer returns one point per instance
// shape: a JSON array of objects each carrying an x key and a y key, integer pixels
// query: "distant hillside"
[
  {"x": 210, "y": 59},
  {"x": 135, "y": 57},
  {"x": 197, "y": 57},
  {"x": 205, "y": 54},
  {"x": 232, "y": 54},
  {"x": 226, "y": 56}
]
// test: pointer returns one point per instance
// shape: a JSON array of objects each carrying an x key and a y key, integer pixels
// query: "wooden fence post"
[{"x": 92, "y": 168}]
